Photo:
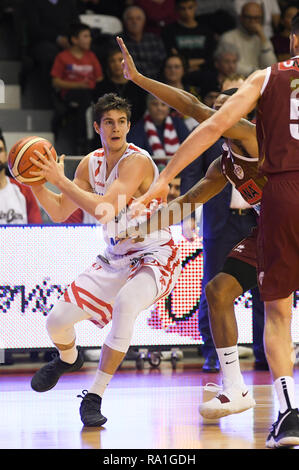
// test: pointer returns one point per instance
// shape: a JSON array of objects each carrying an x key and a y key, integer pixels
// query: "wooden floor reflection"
[{"x": 149, "y": 409}]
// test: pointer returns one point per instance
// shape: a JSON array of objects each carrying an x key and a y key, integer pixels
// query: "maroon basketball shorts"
[
  {"x": 246, "y": 250},
  {"x": 278, "y": 237},
  {"x": 241, "y": 262}
]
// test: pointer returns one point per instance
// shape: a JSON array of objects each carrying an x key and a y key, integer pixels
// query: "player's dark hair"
[
  {"x": 108, "y": 102},
  {"x": 295, "y": 25},
  {"x": 229, "y": 92},
  {"x": 2, "y": 138},
  {"x": 75, "y": 29}
]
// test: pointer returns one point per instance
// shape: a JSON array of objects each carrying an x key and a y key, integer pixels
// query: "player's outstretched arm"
[
  {"x": 206, "y": 134},
  {"x": 181, "y": 100},
  {"x": 183, "y": 206}
]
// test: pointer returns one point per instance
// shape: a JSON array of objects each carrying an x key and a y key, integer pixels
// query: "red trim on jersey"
[
  {"x": 67, "y": 297},
  {"x": 133, "y": 147},
  {"x": 83, "y": 302},
  {"x": 76, "y": 295},
  {"x": 99, "y": 301}
]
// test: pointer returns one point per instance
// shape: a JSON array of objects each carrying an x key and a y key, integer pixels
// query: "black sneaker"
[
  {"x": 48, "y": 376},
  {"x": 90, "y": 409},
  {"x": 285, "y": 431}
]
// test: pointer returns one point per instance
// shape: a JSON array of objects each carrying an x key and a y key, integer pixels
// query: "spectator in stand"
[
  {"x": 225, "y": 63},
  {"x": 75, "y": 72},
  {"x": 147, "y": 49},
  {"x": 271, "y": 14},
  {"x": 115, "y": 82},
  {"x": 173, "y": 74},
  {"x": 186, "y": 37},
  {"x": 281, "y": 40},
  {"x": 159, "y": 13},
  {"x": 255, "y": 49},
  {"x": 158, "y": 132},
  {"x": 17, "y": 202},
  {"x": 48, "y": 28}
]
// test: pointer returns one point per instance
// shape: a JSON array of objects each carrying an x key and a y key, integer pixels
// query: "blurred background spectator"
[
  {"x": 147, "y": 49},
  {"x": 225, "y": 64},
  {"x": 158, "y": 132},
  {"x": 280, "y": 40},
  {"x": 271, "y": 14},
  {"x": 173, "y": 73},
  {"x": 76, "y": 72},
  {"x": 255, "y": 49},
  {"x": 159, "y": 13},
  {"x": 115, "y": 82},
  {"x": 186, "y": 37}
]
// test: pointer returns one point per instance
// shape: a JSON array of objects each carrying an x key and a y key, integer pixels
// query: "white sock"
[
  {"x": 285, "y": 389},
  {"x": 230, "y": 366},
  {"x": 69, "y": 355},
  {"x": 100, "y": 383}
]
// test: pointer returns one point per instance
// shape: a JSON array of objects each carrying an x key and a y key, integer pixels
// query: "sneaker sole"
[
  {"x": 283, "y": 442},
  {"x": 210, "y": 413},
  {"x": 96, "y": 424}
]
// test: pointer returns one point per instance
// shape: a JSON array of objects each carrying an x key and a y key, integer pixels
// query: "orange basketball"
[{"x": 19, "y": 163}]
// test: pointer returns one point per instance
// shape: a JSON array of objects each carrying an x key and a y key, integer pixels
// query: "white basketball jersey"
[{"x": 99, "y": 184}]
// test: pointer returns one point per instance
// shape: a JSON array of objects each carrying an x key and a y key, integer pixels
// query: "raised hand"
[{"x": 129, "y": 68}]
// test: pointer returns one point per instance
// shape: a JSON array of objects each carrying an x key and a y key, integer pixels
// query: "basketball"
[{"x": 19, "y": 162}]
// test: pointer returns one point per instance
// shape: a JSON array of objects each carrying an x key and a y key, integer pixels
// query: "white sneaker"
[
  {"x": 244, "y": 352},
  {"x": 227, "y": 401}
]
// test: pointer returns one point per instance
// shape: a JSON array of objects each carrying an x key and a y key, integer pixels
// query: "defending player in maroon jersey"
[{"x": 278, "y": 237}]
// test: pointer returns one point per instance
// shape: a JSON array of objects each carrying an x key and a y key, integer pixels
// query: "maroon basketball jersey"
[
  {"x": 244, "y": 174},
  {"x": 278, "y": 118}
]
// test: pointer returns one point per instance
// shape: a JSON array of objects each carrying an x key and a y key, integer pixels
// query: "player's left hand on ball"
[{"x": 48, "y": 167}]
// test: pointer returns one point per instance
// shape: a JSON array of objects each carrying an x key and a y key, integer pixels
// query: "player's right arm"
[
  {"x": 58, "y": 206},
  {"x": 183, "y": 206},
  {"x": 181, "y": 100}
]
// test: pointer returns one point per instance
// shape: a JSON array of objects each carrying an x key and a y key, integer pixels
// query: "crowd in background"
[{"x": 191, "y": 44}]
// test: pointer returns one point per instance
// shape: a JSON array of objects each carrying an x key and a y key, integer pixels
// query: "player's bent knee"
[
  {"x": 222, "y": 290},
  {"x": 214, "y": 292},
  {"x": 62, "y": 316}
]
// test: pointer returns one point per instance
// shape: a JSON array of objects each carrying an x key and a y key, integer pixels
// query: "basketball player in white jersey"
[{"x": 128, "y": 277}]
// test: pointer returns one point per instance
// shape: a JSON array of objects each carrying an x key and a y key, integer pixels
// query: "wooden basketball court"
[{"x": 148, "y": 409}]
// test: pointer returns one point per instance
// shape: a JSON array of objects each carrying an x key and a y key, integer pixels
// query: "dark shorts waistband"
[{"x": 241, "y": 211}]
